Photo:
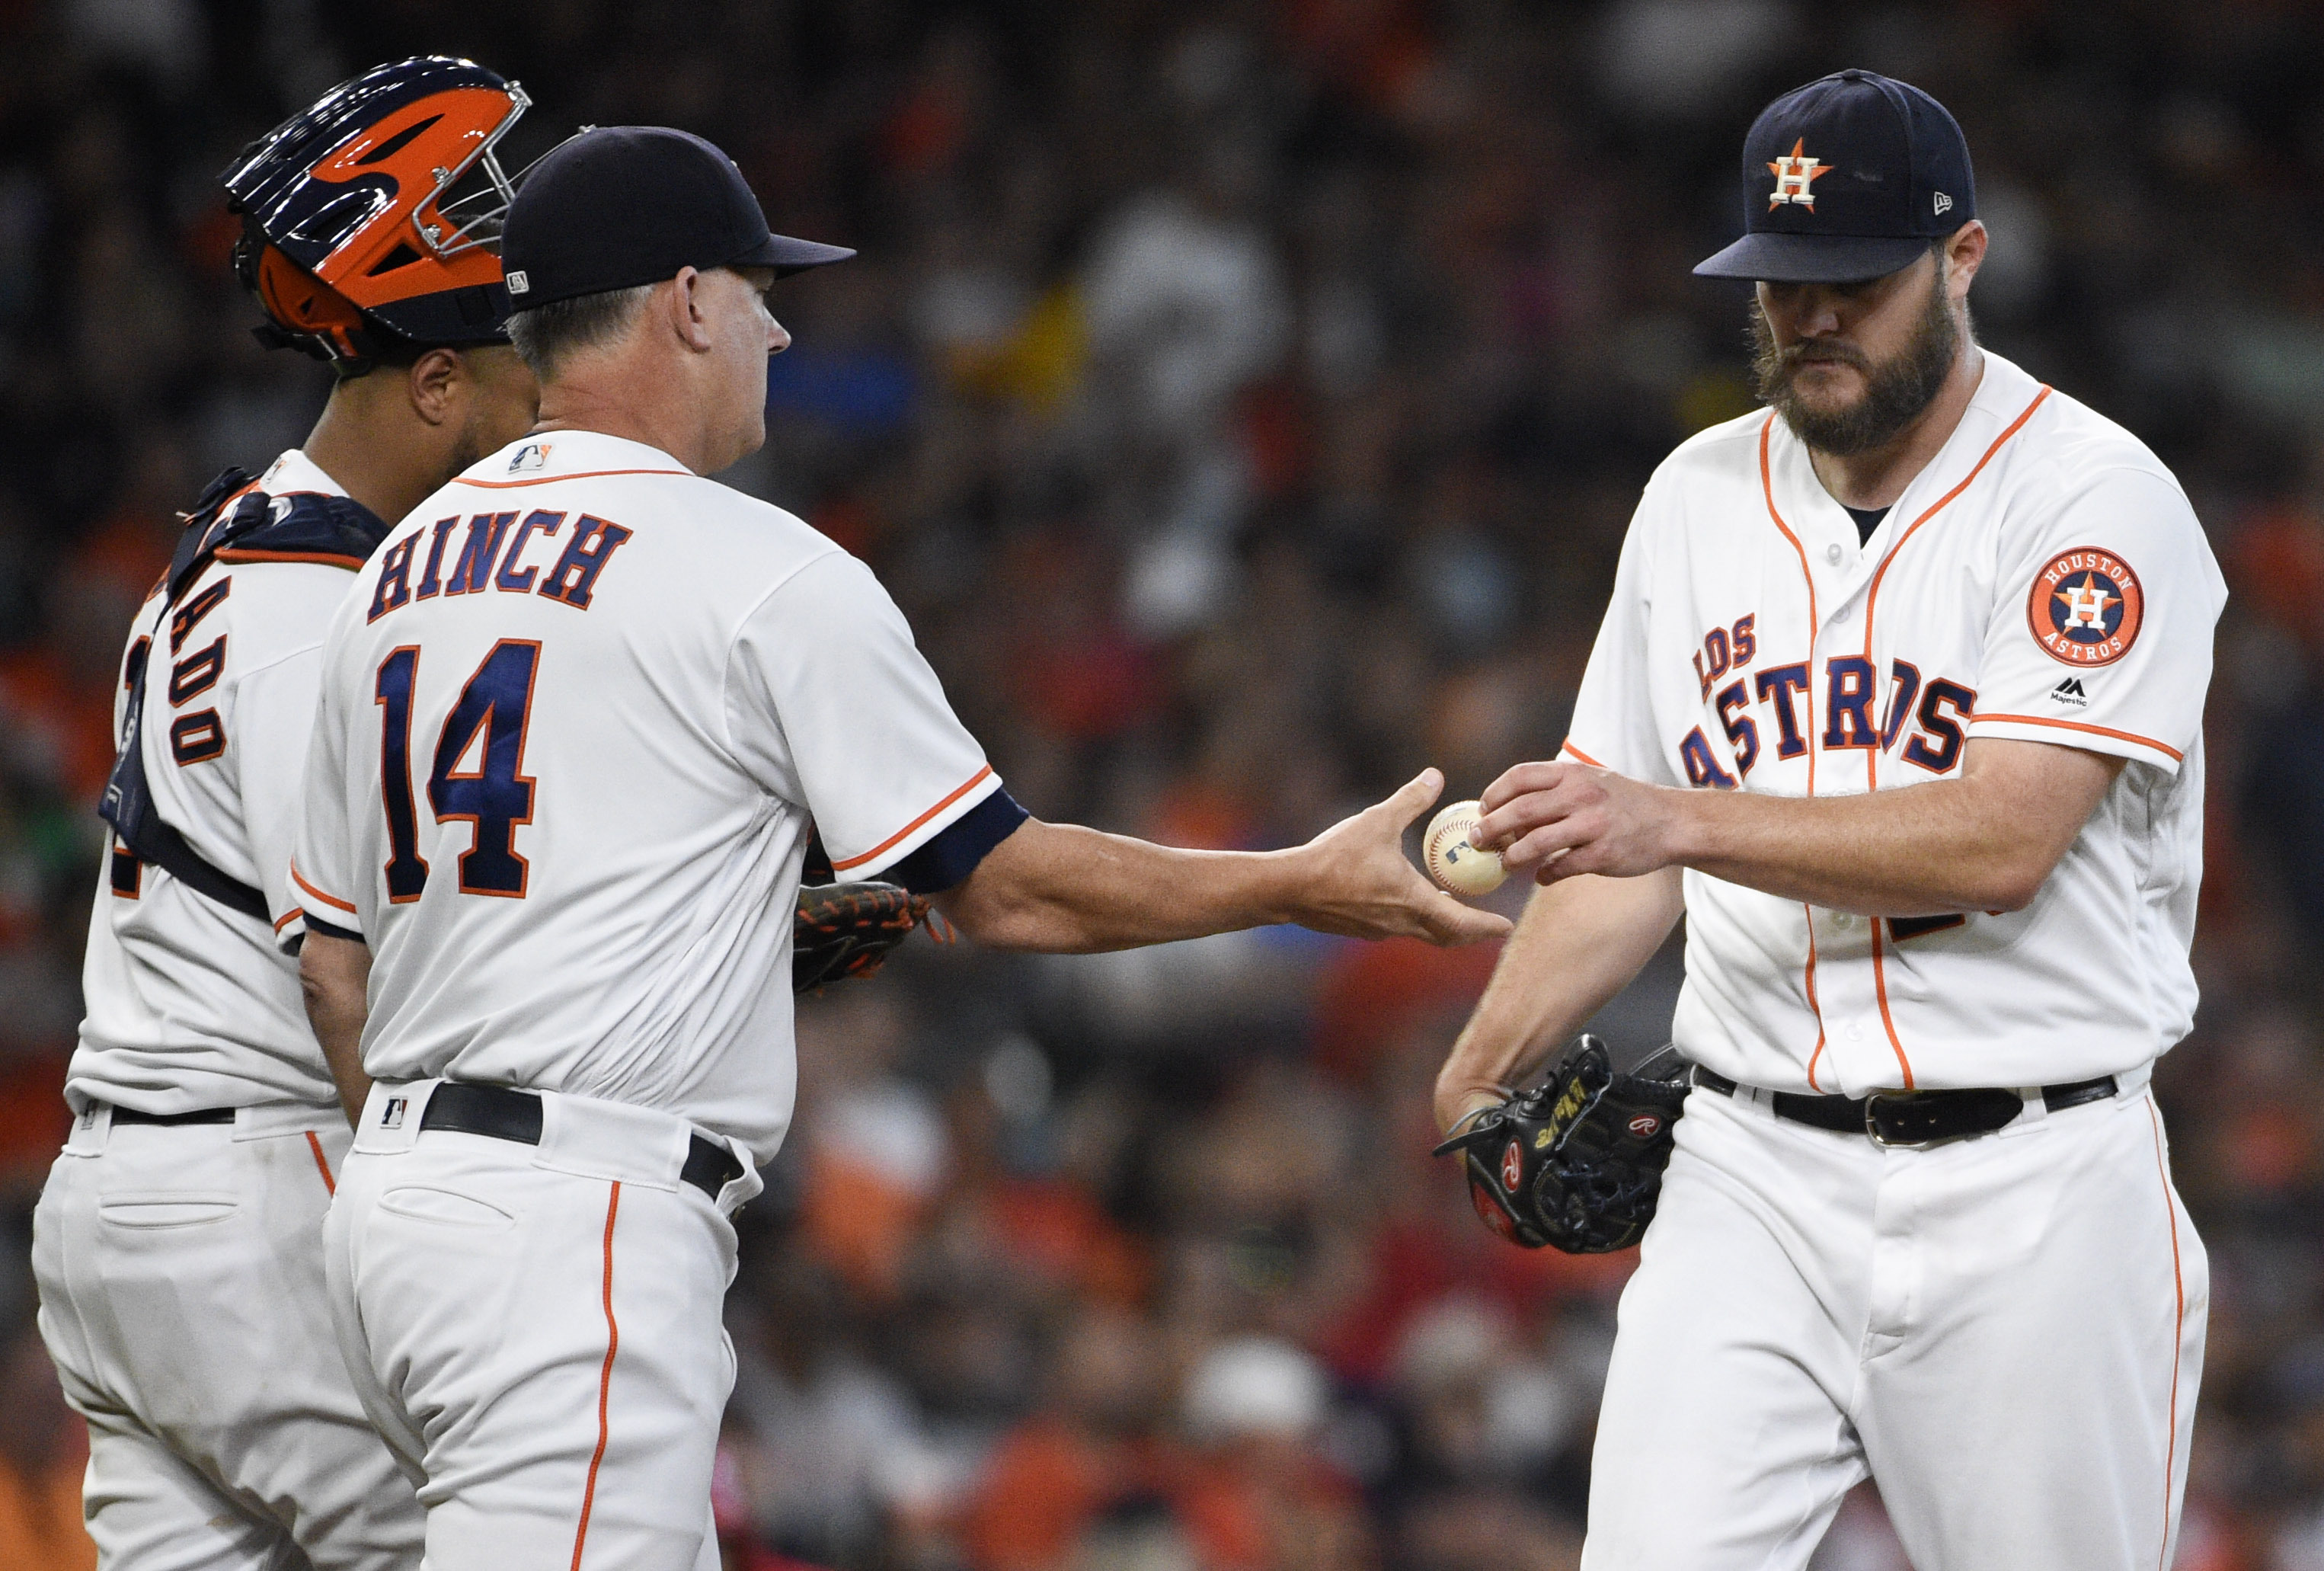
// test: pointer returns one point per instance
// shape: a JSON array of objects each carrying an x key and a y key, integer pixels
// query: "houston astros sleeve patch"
[{"x": 2085, "y": 606}]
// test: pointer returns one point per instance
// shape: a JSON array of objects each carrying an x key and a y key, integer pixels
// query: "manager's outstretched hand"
[
  {"x": 1063, "y": 889},
  {"x": 1363, "y": 885}
]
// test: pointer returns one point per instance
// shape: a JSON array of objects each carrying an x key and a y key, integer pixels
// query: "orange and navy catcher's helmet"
[{"x": 353, "y": 238}]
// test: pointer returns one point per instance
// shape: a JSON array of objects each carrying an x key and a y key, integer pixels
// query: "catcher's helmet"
[{"x": 351, "y": 238}]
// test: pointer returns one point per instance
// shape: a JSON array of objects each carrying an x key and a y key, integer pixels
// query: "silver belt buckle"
[{"x": 1872, "y": 1102}]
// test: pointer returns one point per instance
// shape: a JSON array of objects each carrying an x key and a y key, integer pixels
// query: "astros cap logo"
[
  {"x": 1795, "y": 173},
  {"x": 2086, "y": 607}
]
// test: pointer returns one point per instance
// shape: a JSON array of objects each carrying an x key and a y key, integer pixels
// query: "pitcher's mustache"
[{"x": 1825, "y": 354}]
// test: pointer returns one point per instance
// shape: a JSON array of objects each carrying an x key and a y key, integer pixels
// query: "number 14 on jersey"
[{"x": 487, "y": 731}]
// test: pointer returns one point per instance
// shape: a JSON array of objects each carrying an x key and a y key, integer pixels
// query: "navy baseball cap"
[
  {"x": 620, "y": 205},
  {"x": 1848, "y": 178}
]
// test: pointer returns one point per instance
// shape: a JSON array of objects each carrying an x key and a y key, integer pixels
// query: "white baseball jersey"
[
  {"x": 2042, "y": 580},
  {"x": 191, "y": 1004},
  {"x": 575, "y": 719}
]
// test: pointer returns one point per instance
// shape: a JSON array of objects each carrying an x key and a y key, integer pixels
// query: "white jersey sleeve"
[
  {"x": 830, "y": 703},
  {"x": 1614, "y": 725},
  {"x": 276, "y": 701},
  {"x": 2100, "y": 637},
  {"x": 322, "y": 871}
]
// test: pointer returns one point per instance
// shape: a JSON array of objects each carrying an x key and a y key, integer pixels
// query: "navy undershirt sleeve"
[
  {"x": 316, "y": 924},
  {"x": 947, "y": 860}
]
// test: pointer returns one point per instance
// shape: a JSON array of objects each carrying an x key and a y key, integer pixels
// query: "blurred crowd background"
[{"x": 1246, "y": 402}]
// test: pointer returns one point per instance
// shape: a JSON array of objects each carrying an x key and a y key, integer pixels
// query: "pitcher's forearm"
[
  {"x": 1579, "y": 942},
  {"x": 1983, "y": 842}
]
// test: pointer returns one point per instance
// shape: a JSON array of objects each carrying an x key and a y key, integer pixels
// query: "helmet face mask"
[{"x": 388, "y": 193}]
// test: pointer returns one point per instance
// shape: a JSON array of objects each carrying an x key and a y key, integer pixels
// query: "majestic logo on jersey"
[
  {"x": 2071, "y": 691},
  {"x": 2086, "y": 607},
  {"x": 1794, "y": 175}
]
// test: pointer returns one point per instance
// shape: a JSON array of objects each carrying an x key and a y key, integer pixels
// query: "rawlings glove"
[
  {"x": 1577, "y": 1162},
  {"x": 846, "y": 929}
]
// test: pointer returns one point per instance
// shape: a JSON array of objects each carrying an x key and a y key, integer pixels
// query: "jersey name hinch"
[{"x": 490, "y": 557}]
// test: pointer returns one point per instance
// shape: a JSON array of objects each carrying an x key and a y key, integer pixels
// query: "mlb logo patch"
[
  {"x": 531, "y": 455},
  {"x": 391, "y": 1115}
]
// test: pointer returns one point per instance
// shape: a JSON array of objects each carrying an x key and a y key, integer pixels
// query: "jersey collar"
[
  {"x": 294, "y": 472},
  {"x": 2001, "y": 396},
  {"x": 567, "y": 454}
]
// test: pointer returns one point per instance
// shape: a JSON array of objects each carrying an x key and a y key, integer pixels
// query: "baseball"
[{"x": 1451, "y": 861}]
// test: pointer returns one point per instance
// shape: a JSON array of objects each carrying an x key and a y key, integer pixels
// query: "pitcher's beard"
[{"x": 1896, "y": 393}]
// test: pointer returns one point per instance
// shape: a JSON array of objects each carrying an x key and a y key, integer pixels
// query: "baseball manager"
[{"x": 576, "y": 717}]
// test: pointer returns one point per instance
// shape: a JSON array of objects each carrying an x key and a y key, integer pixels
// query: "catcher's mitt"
[
  {"x": 847, "y": 929},
  {"x": 1577, "y": 1162}
]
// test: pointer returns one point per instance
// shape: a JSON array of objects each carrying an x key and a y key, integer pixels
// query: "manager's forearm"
[
  {"x": 1579, "y": 942},
  {"x": 1063, "y": 889},
  {"x": 334, "y": 978}
]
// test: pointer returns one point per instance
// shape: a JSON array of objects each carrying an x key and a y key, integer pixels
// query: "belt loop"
[{"x": 92, "y": 1128}]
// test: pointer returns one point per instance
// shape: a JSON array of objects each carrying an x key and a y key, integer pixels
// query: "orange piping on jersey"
[
  {"x": 237, "y": 554},
  {"x": 1584, "y": 757},
  {"x": 1887, "y": 1022},
  {"x": 1872, "y": 596},
  {"x": 322, "y": 1165},
  {"x": 2179, "y": 1283},
  {"x": 1815, "y": 625},
  {"x": 957, "y": 792},
  {"x": 1872, "y": 758},
  {"x": 550, "y": 479},
  {"x": 2176, "y": 756},
  {"x": 287, "y": 918},
  {"x": 330, "y": 900},
  {"x": 604, "y": 1382}
]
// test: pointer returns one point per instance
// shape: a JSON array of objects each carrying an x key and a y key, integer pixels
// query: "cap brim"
[
  {"x": 1812, "y": 258},
  {"x": 786, "y": 255}
]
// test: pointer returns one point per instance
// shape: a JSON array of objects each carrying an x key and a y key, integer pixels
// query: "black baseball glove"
[
  {"x": 1577, "y": 1162},
  {"x": 843, "y": 931}
]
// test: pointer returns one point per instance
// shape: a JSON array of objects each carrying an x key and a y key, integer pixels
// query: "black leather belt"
[
  {"x": 1916, "y": 1118},
  {"x": 201, "y": 1115},
  {"x": 503, "y": 1112}
]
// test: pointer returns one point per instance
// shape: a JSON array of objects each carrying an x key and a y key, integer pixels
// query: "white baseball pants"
[
  {"x": 2005, "y": 1332},
  {"x": 180, "y": 1271},
  {"x": 537, "y": 1330}
]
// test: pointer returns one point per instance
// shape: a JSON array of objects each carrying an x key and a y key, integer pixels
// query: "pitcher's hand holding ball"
[{"x": 1557, "y": 819}]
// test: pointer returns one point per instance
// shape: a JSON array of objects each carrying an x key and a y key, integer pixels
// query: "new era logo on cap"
[
  {"x": 1943, "y": 203},
  {"x": 518, "y": 283}
]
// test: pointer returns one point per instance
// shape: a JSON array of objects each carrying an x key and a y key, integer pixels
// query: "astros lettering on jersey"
[
  {"x": 573, "y": 714},
  {"x": 2042, "y": 579}
]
